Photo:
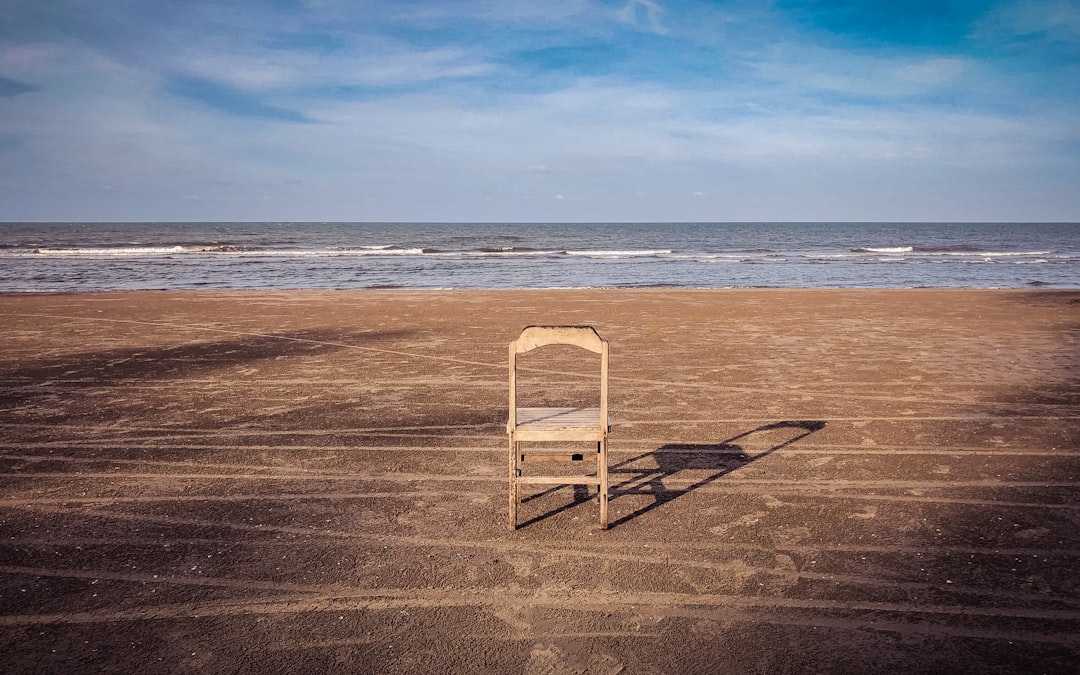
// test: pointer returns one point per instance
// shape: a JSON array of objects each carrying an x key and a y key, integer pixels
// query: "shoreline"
[{"x": 567, "y": 289}]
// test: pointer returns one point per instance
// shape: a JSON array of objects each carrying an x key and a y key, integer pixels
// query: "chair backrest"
[
  {"x": 586, "y": 337},
  {"x": 539, "y": 336}
]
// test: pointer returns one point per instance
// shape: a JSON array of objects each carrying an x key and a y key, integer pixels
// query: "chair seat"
[{"x": 558, "y": 423}]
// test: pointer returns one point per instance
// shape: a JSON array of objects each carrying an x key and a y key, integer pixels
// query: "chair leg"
[
  {"x": 601, "y": 470},
  {"x": 514, "y": 490}
]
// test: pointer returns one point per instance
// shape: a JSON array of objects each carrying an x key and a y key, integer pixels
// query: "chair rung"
[
  {"x": 533, "y": 434},
  {"x": 558, "y": 480},
  {"x": 558, "y": 456}
]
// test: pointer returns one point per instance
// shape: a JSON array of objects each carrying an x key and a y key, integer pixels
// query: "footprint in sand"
[
  {"x": 1032, "y": 533},
  {"x": 790, "y": 535},
  {"x": 772, "y": 502},
  {"x": 867, "y": 513},
  {"x": 786, "y": 573},
  {"x": 523, "y": 565},
  {"x": 550, "y": 660},
  {"x": 742, "y": 521}
]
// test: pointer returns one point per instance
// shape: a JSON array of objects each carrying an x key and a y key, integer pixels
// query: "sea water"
[{"x": 37, "y": 257}]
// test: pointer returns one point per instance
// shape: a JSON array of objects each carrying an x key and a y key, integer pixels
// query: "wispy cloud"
[
  {"x": 937, "y": 71},
  {"x": 1049, "y": 19},
  {"x": 808, "y": 68},
  {"x": 644, "y": 13},
  {"x": 12, "y": 87},
  {"x": 230, "y": 100},
  {"x": 377, "y": 63}
]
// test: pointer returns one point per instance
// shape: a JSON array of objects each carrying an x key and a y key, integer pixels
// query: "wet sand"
[{"x": 825, "y": 480}]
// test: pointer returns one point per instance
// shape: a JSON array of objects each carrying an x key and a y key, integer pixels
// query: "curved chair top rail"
[{"x": 532, "y": 337}]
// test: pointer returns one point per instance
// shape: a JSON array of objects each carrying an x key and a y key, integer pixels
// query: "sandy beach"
[{"x": 802, "y": 480}]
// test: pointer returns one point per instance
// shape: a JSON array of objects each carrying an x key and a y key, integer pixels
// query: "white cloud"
[
  {"x": 424, "y": 13},
  {"x": 531, "y": 10},
  {"x": 805, "y": 68},
  {"x": 371, "y": 63},
  {"x": 935, "y": 71},
  {"x": 406, "y": 67},
  {"x": 24, "y": 58},
  {"x": 597, "y": 123},
  {"x": 1055, "y": 19},
  {"x": 251, "y": 72}
]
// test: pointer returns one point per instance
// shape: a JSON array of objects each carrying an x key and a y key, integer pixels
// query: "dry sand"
[{"x": 316, "y": 481}]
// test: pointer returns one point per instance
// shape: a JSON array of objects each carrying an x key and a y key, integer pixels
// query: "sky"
[{"x": 540, "y": 110}]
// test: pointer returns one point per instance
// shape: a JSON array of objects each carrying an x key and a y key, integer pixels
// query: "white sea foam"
[
  {"x": 711, "y": 257},
  {"x": 152, "y": 251},
  {"x": 112, "y": 252},
  {"x": 388, "y": 250},
  {"x": 947, "y": 252},
  {"x": 887, "y": 249},
  {"x": 1010, "y": 254},
  {"x": 511, "y": 253},
  {"x": 621, "y": 254}
]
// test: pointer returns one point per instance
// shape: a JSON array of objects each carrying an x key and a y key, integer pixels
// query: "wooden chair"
[{"x": 558, "y": 424}]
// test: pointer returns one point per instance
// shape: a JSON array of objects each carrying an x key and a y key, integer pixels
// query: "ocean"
[{"x": 55, "y": 257}]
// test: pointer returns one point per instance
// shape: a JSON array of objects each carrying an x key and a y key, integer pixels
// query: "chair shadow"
[{"x": 717, "y": 459}]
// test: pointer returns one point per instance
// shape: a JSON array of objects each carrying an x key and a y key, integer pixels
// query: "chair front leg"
[{"x": 513, "y": 484}]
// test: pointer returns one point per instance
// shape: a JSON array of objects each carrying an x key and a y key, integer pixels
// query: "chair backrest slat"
[{"x": 539, "y": 336}]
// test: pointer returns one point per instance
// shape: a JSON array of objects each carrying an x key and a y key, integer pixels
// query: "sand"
[{"x": 825, "y": 480}]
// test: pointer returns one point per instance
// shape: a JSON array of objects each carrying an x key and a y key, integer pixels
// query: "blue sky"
[{"x": 555, "y": 110}]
